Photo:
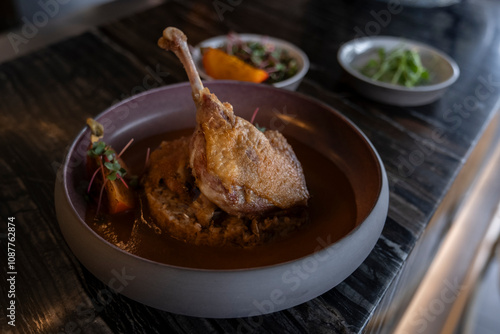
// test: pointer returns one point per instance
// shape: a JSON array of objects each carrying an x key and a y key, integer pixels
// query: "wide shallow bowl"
[
  {"x": 282, "y": 274},
  {"x": 354, "y": 54},
  {"x": 294, "y": 52}
]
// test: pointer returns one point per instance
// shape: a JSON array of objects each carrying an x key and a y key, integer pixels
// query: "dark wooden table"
[{"x": 46, "y": 96}]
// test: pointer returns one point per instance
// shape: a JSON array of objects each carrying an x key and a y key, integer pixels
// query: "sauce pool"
[{"x": 332, "y": 212}]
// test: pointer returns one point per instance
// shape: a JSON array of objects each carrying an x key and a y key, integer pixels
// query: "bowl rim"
[
  {"x": 256, "y": 37},
  {"x": 406, "y": 43},
  {"x": 65, "y": 169}
]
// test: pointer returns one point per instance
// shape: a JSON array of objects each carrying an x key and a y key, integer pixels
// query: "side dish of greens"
[
  {"x": 398, "y": 66},
  {"x": 264, "y": 55}
]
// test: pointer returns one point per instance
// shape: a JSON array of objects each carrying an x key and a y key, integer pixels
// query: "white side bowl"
[
  {"x": 354, "y": 54},
  {"x": 294, "y": 52}
]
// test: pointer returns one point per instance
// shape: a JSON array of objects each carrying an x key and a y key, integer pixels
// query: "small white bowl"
[
  {"x": 354, "y": 54},
  {"x": 294, "y": 52}
]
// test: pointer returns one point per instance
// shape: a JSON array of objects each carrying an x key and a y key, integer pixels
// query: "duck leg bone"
[{"x": 174, "y": 40}]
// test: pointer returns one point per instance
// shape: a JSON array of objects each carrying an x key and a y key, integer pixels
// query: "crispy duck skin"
[{"x": 242, "y": 170}]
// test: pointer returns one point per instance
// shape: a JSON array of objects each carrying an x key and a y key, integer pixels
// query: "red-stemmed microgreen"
[
  {"x": 99, "y": 149},
  {"x": 109, "y": 165},
  {"x": 254, "y": 114},
  {"x": 100, "y": 195},
  {"x": 93, "y": 177},
  {"x": 146, "y": 163},
  {"x": 121, "y": 179},
  {"x": 125, "y": 147},
  {"x": 260, "y": 128}
]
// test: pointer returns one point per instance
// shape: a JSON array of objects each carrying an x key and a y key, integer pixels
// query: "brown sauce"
[{"x": 332, "y": 211}]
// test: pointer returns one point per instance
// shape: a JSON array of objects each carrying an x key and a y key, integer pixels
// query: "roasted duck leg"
[{"x": 242, "y": 170}]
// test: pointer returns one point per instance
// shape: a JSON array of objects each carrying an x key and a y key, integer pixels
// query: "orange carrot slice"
[
  {"x": 220, "y": 65},
  {"x": 120, "y": 198}
]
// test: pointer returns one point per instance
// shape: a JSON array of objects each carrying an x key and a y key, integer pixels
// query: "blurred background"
[{"x": 42, "y": 22}]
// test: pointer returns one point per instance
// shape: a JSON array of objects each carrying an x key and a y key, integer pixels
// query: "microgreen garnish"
[
  {"x": 110, "y": 166},
  {"x": 107, "y": 160},
  {"x": 100, "y": 195},
  {"x": 101, "y": 150},
  {"x": 260, "y": 128},
  {"x": 146, "y": 163},
  {"x": 115, "y": 169},
  {"x": 125, "y": 147},
  {"x": 93, "y": 177},
  {"x": 97, "y": 149},
  {"x": 254, "y": 114}
]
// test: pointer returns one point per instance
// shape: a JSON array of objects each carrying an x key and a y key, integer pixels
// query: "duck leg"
[{"x": 242, "y": 170}]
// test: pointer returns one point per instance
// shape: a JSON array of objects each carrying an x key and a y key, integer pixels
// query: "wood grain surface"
[{"x": 46, "y": 96}]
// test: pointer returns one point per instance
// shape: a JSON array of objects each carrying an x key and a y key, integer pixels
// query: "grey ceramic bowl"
[
  {"x": 290, "y": 84},
  {"x": 224, "y": 293},
  {"x": 355, "y": 54}
]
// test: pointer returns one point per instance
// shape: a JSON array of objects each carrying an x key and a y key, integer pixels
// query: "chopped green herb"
[{"x": 398, "y": 66}]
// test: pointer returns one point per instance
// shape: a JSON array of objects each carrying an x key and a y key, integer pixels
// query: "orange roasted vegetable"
[
  {"x": 120, "y": 197},
  {"x": 101, "y": 157},
  {"x": 220, "y": 65}
]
